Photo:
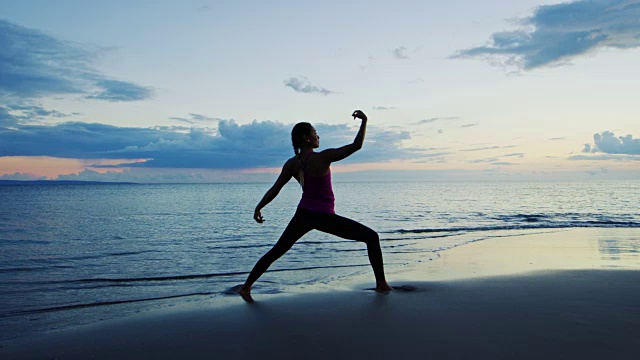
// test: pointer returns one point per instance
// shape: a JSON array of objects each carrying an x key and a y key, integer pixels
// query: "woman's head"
[{"x": 304, "y": 135}]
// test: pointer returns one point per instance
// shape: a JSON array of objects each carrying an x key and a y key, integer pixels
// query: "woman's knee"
[
  {"x": 276, "y": 252},
  {"x": 371, "y": 237}
]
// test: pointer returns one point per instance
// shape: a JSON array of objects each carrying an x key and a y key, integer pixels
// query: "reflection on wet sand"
[
  {"x": 623, "y": 249},
  {"x": 571, "y": 249}
]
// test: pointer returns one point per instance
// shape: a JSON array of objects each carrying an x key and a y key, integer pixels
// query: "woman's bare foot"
[
  {"x": 245, "y": 293},
  {"x": 383, "y": 288}
]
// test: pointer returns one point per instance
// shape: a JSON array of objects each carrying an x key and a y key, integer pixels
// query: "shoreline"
[{"x": 559, "y": 294}]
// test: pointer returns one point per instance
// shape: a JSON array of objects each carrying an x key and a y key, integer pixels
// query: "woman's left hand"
[{"x": 258, "y": 216}]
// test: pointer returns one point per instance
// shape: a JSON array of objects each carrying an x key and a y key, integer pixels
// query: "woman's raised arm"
[{"x": 332, "y": 155}]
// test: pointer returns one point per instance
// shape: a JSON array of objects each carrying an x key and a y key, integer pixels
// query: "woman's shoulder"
[
  {"x": 292, "y": 160},
  {"x": 292, "y": 164}
]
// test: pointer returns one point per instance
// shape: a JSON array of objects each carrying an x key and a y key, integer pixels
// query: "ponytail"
[
  {"x": 300, "y": 172},
  {"x": 299, "y": 131}
]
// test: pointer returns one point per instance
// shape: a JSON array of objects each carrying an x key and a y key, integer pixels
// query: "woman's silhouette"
[{"x": 316, "y": 208}]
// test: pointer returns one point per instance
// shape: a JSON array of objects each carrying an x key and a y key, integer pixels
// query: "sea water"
[{"x": 76, "y": 254}]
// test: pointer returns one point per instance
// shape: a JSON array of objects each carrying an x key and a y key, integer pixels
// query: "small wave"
[
  {"x": 253, "y": 246},
  {"x": 35, "y": 268},
  {"x": 101, "y": 303},
  {"x": 101, "y": 256},
  {"x": 197, "y": 276},
  {"x": 124, "y": 253},
  {"x": 527, "y": 217},
  {"x": 233, "y": 247},
  {"x": 399, "y": 245},
  {"x": 405, "y": 238},
  {"x": 24, "y": 242},
  {"x": 63, "y": 262}
]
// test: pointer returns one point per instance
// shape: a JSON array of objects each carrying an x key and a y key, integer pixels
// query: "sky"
[{"x": 208, "y": 91}]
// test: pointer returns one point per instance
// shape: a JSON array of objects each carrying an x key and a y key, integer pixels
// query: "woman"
[{"x": 316, "y": 208}]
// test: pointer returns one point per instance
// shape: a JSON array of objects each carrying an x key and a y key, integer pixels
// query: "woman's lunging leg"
[
  {"x": 295, "y": 230},
  {"x": 353, "y": 230},
  {"x": 375, "y": 258}
]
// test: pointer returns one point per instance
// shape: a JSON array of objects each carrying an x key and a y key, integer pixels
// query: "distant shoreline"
[{"x": 61, "y": 182}]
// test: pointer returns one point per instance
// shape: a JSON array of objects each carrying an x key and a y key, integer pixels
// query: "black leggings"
[{"x": 306, "y": 220}]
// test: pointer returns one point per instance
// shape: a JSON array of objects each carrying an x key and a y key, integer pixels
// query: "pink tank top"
[{"x": 317, "y": 193}]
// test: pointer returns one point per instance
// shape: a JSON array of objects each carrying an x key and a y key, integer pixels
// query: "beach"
[
  {"x": 556, "y": 295},
  {"x": 477, "y": 162}
]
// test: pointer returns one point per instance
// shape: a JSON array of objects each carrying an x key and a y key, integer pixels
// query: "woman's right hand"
[
  {"x": 258, "y": 216},
  {"x": 359, "y": 114}
]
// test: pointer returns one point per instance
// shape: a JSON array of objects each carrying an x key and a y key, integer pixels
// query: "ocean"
[{"x": 76, "y": 254}]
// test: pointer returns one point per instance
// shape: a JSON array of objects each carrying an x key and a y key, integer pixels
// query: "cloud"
[
  {"x": 199, "y": 117},
  {"x": 605, "y": 157},
  {"x": 496, "y": 160},
  {"x": 20, "y": 112},
  {"x": 557, "y": 138},
  {"x": 195, "y": 118},
  {"x": 468, "y": 125},
  {"x": 31, "y": 110},
  {"x": 489, "y": 160},
  {"x": 400, "y": 53},
  {"x": 147, "y": 175},
  {"x": 115, "y": 90},
  {"x": 302, "y": 84},
  {"x": 180, "y": 129},
  {"x": 383, "y": 108},
  {"x": 75, "y": 140},
  {"x": 607, "y": 142},
  {"x": 21, "y": 176},
  {"x": 490, "y": 148},
  {"x": 183, "y": 120},
  {"x": 383, "y": 145},
  {"x": 432, "y": 120},
  {"x": 520, "y": 155},
  {"x": 6, "y": 119},
  {"x": 556, "y": 34},
  {"x": 432, "y": 157},
  {"x": 230, "y": 146},
  {"x": 34, "y": 64}
]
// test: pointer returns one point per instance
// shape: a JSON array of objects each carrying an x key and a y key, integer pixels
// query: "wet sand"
[{"x": 561, "y": 295}]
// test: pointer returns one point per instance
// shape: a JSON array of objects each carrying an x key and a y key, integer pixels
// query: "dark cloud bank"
[
  {"x": 555, "y": 34},
  {"x": 234, "y": 146}
]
